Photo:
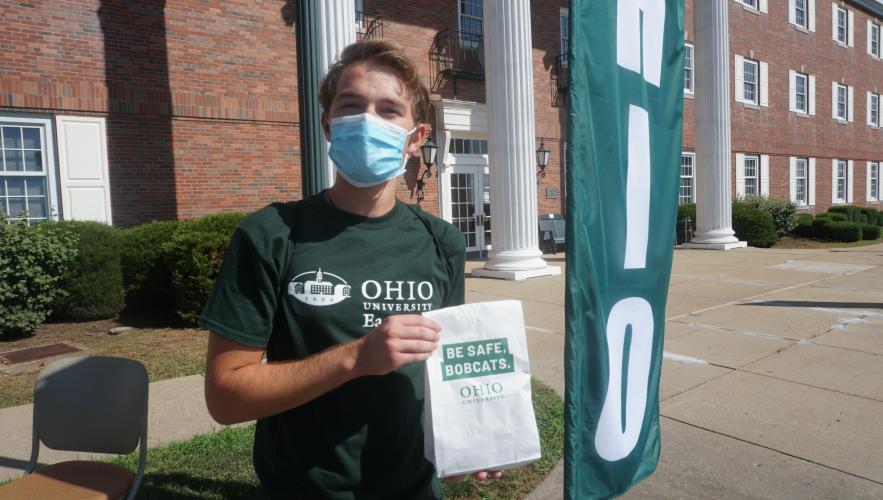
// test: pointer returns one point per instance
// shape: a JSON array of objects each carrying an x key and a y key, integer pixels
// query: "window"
[
  {"x": 749, "y": 3},
  {"x": 842, "y": 104},
  {"x": 873, "y": 39},
  {"x": 874, "y": 109},
  {"x": 874, "y": 181},
  {"x": 749, "y": 83},
  {"x": 468, "y": 146},
  {"x": 801, "y": 89},
  {"x": 688, "y": 68},
  {"x": 565, "y": 32},
  {"x": 24, "y": 189},
  {"x": 688, "y": 185},
  {"x": 752, "y": 165},
  {"x": 801, "y": 171},
  {"x": 840, "y": 182},
  {"x": 471, "y": 14},
  {"x": 842, "y": 26},
  {"x": 800, "y": 13}
]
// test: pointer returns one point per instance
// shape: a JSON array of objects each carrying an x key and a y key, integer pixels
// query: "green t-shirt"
[{"x": 301, "y": 277}]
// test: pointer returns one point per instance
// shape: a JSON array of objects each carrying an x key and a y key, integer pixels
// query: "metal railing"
[
  {"x": 457, "y": 55},
  {"x": 683, "y": 231},
  {"x": 368, "y": 26},
  {"x": 561, "y": 72}
]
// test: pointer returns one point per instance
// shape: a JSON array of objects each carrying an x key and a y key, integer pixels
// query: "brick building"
[{"x": 132, "y": 111}]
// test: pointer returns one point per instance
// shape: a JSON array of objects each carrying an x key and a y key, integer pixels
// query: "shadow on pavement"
[{"x": 809, "y": 303}]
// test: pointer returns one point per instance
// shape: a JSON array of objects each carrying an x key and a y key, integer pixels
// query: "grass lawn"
[
  {"x": 789, "y": 242},
  {"x": 167, "y": 352},
  {"x": 219, "y": 465}
]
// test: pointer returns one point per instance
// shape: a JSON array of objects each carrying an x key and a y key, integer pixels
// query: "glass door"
[{"x": 471, "y": 206}]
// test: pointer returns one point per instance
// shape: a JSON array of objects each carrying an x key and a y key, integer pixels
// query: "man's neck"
[{"x": 368, "y": 202}]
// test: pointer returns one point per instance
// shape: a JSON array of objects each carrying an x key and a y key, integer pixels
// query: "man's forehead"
[{"x": 368, "y": 79}]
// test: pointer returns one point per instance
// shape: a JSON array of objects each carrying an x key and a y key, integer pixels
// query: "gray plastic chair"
[{"x": 94, "y": 404}]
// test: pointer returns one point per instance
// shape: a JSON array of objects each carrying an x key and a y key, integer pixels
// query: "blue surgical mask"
[{"x": 367, "y": 150}]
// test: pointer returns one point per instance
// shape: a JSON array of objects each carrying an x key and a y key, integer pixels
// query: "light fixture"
[
  {"x": 428, "y": 150},
  {"x": 543, "y": 157}
]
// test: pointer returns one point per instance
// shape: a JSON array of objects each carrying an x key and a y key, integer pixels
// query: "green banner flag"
[{"x": 624, "y": 146}]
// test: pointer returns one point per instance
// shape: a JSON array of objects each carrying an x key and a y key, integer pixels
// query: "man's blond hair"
[{"x": 384, "y": 53}]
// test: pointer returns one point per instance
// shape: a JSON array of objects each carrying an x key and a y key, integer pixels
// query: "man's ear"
[
  {"x": 417, "y": 139},
  {"x": 325, "y": 126}
]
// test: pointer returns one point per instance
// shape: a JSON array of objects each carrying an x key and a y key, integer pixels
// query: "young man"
[{"x": 332, "y": 288}]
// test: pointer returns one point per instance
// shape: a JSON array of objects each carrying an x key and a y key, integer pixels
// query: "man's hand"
[
  {"x": 398, "y": 341},
  {"x": 478, "y": 476}
]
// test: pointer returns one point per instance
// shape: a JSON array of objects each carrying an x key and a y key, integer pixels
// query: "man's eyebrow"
[{"x": 350, "y": 94}]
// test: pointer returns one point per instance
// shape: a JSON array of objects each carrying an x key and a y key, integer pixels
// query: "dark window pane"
[
  {"x": 16, "y": 206},
  {"x": 36, "y": 186},
  {"x": 15, "y": 186},
  {"x": 31, "y": 138},
  {"x": 13, "y": 161},
  {"x": 11, "y": 137},
  {"x": 34, "y": 161},
  {"x": 37, "y": 207}
]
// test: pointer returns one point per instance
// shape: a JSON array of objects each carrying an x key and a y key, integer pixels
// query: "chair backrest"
[
  {"x": 95, "y": 404},
  {"x": 547, "y": 225},
  {"x": 560, "y": 226}
]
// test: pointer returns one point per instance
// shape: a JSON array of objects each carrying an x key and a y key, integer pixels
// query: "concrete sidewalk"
[{"x": 770, "y": 388}]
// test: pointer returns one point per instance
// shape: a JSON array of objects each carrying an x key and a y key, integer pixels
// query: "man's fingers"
[
  {"x": 415, "y": 333},
  {"x": 415, "y": 346},
  {"x": 417, "y": 320}
]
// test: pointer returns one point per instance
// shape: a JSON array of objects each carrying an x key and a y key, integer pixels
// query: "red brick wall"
[{"x": 780, "y": 133}]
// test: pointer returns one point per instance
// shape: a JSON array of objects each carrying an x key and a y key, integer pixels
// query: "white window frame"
[
  {"x": 47, "y": 136},
  {"x": 844, "y": 14},
  {"x": 873, "y": 109},
  {"x": 751, "y": 4},
  {"x": 689, "y": 49},
  {"x": 692, "y": 177},
  {"x": 360, "y": 9},
  {"x": 745, "y": 64},
  {"x": 564, "y": 42},
  {"x": 874, "y": 183},
  {"x": 797, "y": 8},
  {"x": 460, "y": 15},
  {"x": 873, "y": 29},
  {"x": 757, "y": 177},
  {"x": 838, "y": 179},
  {"x": 805, "y": 108},
  {"x": 804, "y": 201},
  {"x": 842, "y": 91}
]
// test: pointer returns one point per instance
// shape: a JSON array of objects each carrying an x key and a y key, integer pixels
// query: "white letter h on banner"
[{"x": 629, "y": 34}]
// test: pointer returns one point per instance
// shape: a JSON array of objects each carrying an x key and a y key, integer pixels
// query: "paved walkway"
[{"x": 771, "y": 385}]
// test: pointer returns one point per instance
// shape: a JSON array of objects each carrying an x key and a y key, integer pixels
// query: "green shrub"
[
  {"x": 754, "y": 226},
  {"x": 93, "y": 281},
  {"x": 782, "y": 211},
  {"x": 872, "y": 214},
  {"x": 804, "y": 219},
  {"x": 220, "y": 223},
  {"x": 194, "y": 259},
  {"x": 837, "y": 217},
  {"x": 820, "y": 227},
  {"x": 146, "y": 278},
  {"x": 684, "y": 211},
  {"x": 31, "y": 266},
  {"x": 870, "y": 231},
  {"x": 844, "y": 231},
  {"x": 853, "y": 213}
]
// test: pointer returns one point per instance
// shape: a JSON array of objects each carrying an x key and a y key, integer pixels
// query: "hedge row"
[
  {"x": 76, "y": 270},
  {"x": 841, "y": 223},
  {"x": 751, "y": 224}
]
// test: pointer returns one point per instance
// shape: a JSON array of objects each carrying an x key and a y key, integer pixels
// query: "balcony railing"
[
  {"x": 457, "y": 55},
  {"x": 368, "y": 26},
  {"x": 561, "y": 73}
]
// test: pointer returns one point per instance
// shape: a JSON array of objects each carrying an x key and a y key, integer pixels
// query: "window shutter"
[
  {"x": 833, "y": 180},
  {"x": 791, "y": 8},
  {"x": 792, "y": 166},
  {"x": 765, "y": 175},
  {"x": 764, "y": 6},
  {"x": 740, "y": 174},
  {"x": 834, "y": 100},
  {"x": 792, "y": 90},
  {"x": 850, "y": 94},
  {"x": 868, "y": 181},
  {"x": 850, "y": 28},
  {"x": 869, "y": 37},
  {"x": 764, "y": 84},
  {"x": 740, "y": 78},
  {"x": 811, "y": 14},
  {"x": 82, "y": 161},
  {"x": 811, "y": 175},
  {"x": 834, "y": 22},
  {"x": 812, "y": 95},
  {"x": 849, "y": 169},
  {"x": 868, "y": 109}
]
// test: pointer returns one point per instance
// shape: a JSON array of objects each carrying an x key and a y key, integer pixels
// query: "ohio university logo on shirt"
[
  {"x": 319, "y": 289},
  {"x": 379, "y": 298}
]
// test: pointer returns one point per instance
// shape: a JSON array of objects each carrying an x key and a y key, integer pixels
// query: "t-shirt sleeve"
[
  {"x": 454, "y": 243},
  {"x": 242, "y": 304}
]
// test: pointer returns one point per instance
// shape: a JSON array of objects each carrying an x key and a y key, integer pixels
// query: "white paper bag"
[{"x": 478, "y": 410}]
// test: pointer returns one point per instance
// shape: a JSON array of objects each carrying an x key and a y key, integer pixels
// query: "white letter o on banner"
[{"x": 612, "y": 441}]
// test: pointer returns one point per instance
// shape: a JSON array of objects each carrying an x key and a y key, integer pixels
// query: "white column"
[
  {"x": 337, "y": 29},
  {"x": 511, "y": 143},
  {"x": 713, "y": 152}
]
